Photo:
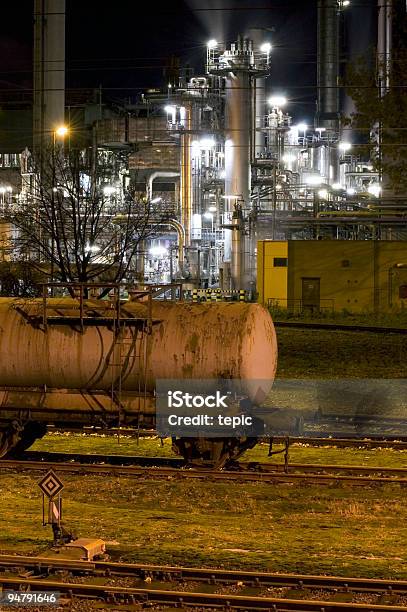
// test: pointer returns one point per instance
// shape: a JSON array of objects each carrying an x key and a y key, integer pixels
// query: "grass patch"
[
  {"x": 100, "y": 444},
  {"x": 152, "y": 447},
  {"x": 340, "y": 354},
  {"x": 393, "y": 319},
  {"x": 331, "y": 529}
]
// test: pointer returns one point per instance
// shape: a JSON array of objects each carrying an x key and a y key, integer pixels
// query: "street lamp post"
[{"x": 60, "y": 132}]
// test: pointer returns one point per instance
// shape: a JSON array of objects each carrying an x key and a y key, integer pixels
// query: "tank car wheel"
[
  {"x": 216, "y": 452},
  {"x": 9, "y": 436},
  {"x": 4, "y": 443},
  {"x": 31, "y": 432}
]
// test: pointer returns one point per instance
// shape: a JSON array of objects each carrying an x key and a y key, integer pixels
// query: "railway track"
[
  {"x": 249, "y": 590},
  {"x": 155, "y": 597},
  {"x": 341, "y": 327},
  {"x": 399, "y": 442},
  {"x": 313, "y": 438},
  {"x": 159, "y": 467}
]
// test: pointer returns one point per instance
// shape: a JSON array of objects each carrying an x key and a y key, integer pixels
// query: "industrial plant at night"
[
  {"x": 221, "y": 154},
  {"x": 203, "y": 294}
]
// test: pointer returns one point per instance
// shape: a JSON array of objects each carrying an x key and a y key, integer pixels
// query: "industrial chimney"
[
  {"x": 328, "y": 65},
  {"x": 49, "y": 70}
]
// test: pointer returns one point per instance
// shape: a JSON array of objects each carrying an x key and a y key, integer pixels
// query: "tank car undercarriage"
[
  {"x": 20, "y": 428},
  {"x": 15, "y": 438}
]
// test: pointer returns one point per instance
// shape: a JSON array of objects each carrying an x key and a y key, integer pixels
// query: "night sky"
[{"x": 123, "y": 45}]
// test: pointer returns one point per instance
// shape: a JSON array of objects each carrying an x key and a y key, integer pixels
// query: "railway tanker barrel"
[
  {"x": 208, "y": 340},
  {"x": 57, "y": 368}
]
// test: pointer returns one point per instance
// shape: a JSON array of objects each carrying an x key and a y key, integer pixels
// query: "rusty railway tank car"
[{"x": 72, "y": 364}]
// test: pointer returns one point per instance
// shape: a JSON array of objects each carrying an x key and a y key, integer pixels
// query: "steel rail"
[
  {"x": 323, "y": 467},
  {"x": 197, "y": 473},
  {"x": 148, "y": 596},
  {"x": 399, "y": 442},
  {"x": 207, "y": 575},
  {"x": 341, "y": 327},
  {"x": 312, "y": 440},
  {"x": 154, "y": 596},
  {"x": 173, "y": 462}
]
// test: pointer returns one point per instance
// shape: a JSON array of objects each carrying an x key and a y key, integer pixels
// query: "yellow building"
[{"x": 336, "y": 275}]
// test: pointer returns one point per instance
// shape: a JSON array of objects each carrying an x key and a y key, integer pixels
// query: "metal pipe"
[
  {"x": 186, "y": 177},
  {"x": 259, "y": 98},
  {"x": 237, "y": 248},
  {"x": 155, "y": 175},
  {"x": 343, "y": 219},
  {"x": 350, "y": 213},
  {"x": 384, "y": 44},
  {"x": 179, "y": 228}
]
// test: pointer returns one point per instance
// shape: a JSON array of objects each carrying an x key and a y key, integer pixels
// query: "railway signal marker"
[
  {"x": 51, "y": 487},
  {"x": 50, "y": 484}
]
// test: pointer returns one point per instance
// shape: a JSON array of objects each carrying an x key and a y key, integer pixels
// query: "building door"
[{"x": 311, "y": 294}]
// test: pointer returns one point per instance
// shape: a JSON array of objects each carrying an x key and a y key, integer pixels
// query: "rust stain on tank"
[{"x": 193, "y": 343}]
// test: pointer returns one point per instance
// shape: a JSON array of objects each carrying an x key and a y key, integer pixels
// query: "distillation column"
[
  {"x": 328, "y": 79},
  {"x": 240, "y": 67},
  {"x": 328, "y": 65},
  {"x": 238, "y": 134},
  {"x": 259, "y": 95},
  {"x": 49, "y": 70}
]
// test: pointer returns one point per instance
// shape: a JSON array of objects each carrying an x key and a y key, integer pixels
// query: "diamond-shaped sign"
[{"x": 50, "y": 485}]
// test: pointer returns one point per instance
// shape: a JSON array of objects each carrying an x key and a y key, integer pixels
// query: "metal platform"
[{"x": 79, "y": 311}]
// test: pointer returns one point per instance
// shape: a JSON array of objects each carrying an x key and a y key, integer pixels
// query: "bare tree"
[
  {"x": 380, "y": 118},
  {"x": 19, "y": 279},
  {"x": 75, "y": 224}
]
